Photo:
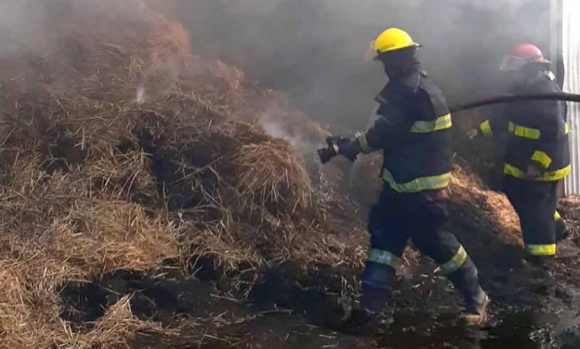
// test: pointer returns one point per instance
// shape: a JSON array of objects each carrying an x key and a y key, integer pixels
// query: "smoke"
[
  {"x": 314, "y": 50},
  {"x": 281, "y": 125},
  {"x": 274, "y": 128},
  {"x": 12, "y": 27}
]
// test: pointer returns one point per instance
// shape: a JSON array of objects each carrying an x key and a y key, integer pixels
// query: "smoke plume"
[{"x": 314, "y": 50}]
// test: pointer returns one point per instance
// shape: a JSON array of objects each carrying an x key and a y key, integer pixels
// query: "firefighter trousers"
[
  {"x": 535, "y": 202},
  {"x": 421, "y": 217}
]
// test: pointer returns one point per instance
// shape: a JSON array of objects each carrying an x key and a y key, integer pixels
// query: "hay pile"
[
  {"x": 468, "y": 190},
  {"x": 569, "y": 208},
  {"x": 119, "y": 152}
]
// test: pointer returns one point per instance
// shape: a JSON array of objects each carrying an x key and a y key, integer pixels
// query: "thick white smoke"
[{"x": 315, "y": 50}]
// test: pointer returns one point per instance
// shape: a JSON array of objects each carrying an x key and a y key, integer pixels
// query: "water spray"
[{"x": 140, "y": 97}]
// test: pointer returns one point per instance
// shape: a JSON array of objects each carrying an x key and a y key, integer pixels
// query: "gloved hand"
[{"x": 350, "y": 149}]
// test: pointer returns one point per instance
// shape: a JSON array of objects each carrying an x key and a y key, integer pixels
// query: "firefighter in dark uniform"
[
  {"x": 413, "y": 129},
  {"x": 537, "y": 154}
]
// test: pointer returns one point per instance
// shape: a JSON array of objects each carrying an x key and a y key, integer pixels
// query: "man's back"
[
  {"x": 535, "y": 126},
  {"x": 422, "y": 148}
]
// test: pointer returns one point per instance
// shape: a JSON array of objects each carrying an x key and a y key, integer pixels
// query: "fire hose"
[
  {"x": 333, "y": 149},
  {"x": 570, "y": 97}
]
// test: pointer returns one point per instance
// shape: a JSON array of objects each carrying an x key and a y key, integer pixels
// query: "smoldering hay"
[{"x": 122, "y": 150}]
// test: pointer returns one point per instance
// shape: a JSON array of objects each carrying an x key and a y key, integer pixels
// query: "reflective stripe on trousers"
[
  {"x": 383, "y": 257},
  {"x": 456, "y": 262},
  {"x": 541, "y": 250}
]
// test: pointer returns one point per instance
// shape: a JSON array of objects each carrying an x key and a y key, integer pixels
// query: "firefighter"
[
  {"x": 537, "y": 154},
  {"x": 413, "y": 129}
]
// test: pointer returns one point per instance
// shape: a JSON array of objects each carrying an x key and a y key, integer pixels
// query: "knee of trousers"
[
  {"x": 467, "y": 270},
  {"x": 375, "y": 222},
  {"x": 466, "y": 280},
  {"x": 381, "y": 232},
  {"x": 460, "y": 261}
]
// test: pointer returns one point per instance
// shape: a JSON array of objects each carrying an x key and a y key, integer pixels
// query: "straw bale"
[
  {"x": 121, "y": 151},
  {"x": 229, "y": 244},
  {"x": 271, "y": 176},
  {"x": 249, "y": 169},
  {"x": 483, "y": 210},
  {"x": 105, "y": 236},
  {"x": 122, "y": 176}
]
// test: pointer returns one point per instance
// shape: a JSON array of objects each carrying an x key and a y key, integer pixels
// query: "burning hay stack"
[
  {"x": 121, "y": 151},
  {"x": 117, "y": 156}
]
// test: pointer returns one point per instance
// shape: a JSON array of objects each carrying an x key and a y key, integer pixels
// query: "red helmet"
[{"x": 521, "y": 55}]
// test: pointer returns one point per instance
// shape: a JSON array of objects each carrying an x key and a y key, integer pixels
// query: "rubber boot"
[
  {"x": 538, "y": 270},
  {"x": 476, "y": 300},
  {"x": 540, "y": 265},
  {"x": 370, "y": 316},
  {"x": 475, "y": 313}
]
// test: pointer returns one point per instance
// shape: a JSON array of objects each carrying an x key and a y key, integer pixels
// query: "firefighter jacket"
[
  {"x": 414, "y": 132},
  {"x": 537, "y": 134}
]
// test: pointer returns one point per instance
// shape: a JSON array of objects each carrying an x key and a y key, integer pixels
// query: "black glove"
[{"x": 350, "y": 149}]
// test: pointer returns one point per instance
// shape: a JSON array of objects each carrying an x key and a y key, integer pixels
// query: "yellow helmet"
[{"x": 393, "y": 39}]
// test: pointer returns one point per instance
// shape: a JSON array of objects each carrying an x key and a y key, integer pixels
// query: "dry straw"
[
  {"x": 116, "y": 155},
  {"x": 119, "y": 150}
]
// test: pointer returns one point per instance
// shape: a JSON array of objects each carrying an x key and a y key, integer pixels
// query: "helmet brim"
[
  {"x": 513, "y": 63},
  {"x": 379, "y": 54}
]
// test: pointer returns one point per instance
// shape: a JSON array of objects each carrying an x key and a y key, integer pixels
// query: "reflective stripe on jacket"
[
  {"x": 537, "y": 134},
  {"x": 414, "y": 132}
]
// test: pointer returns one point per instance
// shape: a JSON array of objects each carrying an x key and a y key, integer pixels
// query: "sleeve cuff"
[
  {"x": 485, "y": 128},
  {"x": 542, "y": 158},
  {"x": 362, "y": 142}
]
